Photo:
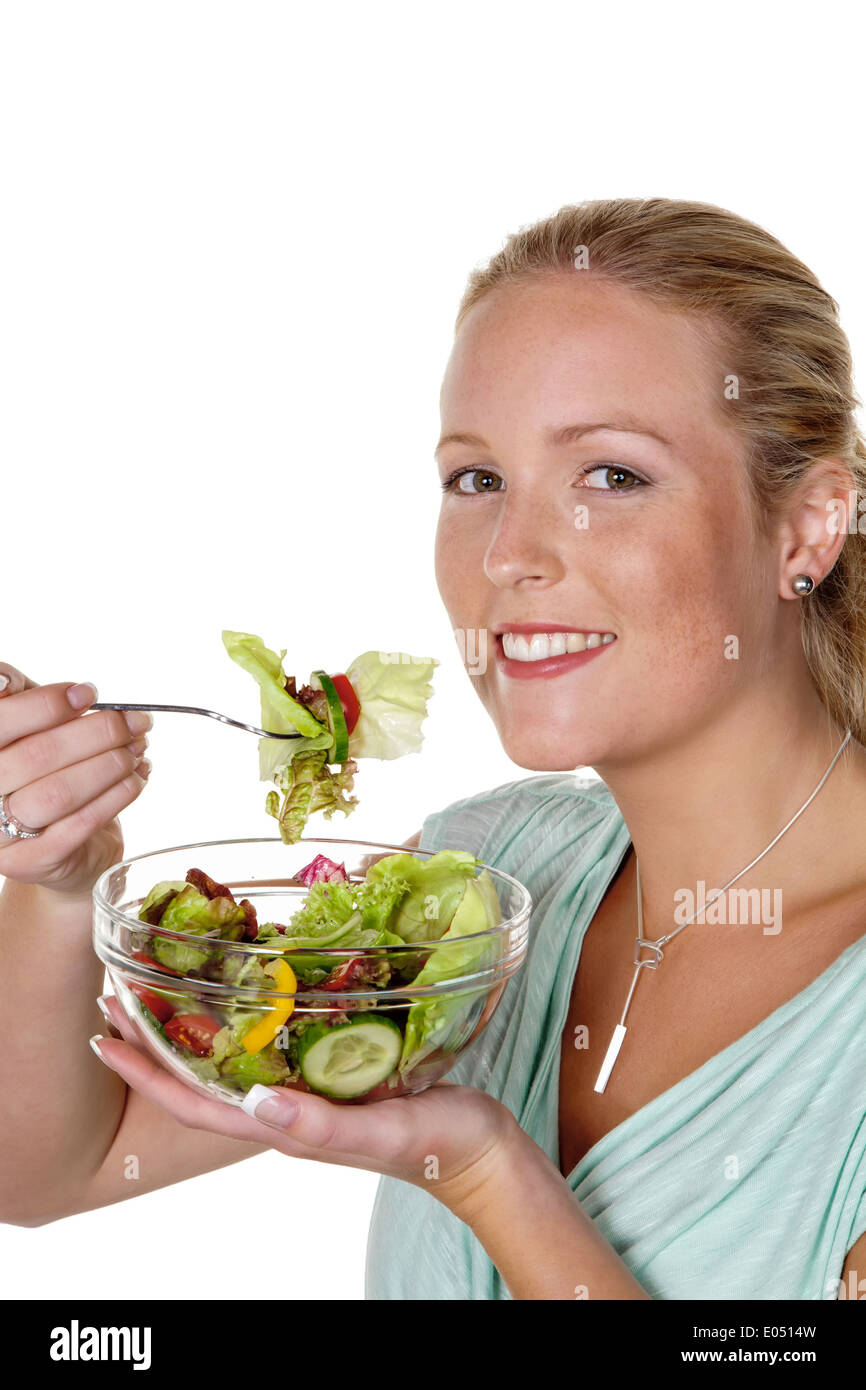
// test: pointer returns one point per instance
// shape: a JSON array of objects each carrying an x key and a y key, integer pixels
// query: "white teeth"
[{"x": 519, "y": 647}]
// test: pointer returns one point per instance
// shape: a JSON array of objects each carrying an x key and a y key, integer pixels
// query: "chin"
[{"x": 542, "y": 756}]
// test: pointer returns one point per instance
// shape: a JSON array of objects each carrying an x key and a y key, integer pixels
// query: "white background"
[{"x": 232, "y": 245}]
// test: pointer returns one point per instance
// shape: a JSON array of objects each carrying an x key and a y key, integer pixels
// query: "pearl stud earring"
[{"x": 803, "y": 584}]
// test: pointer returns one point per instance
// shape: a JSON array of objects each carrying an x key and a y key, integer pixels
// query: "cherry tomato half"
[
  {"x": 349, "y": 701},
  {"x": 193, "y": 1031},
  {"x": 161, "y": 1008}
]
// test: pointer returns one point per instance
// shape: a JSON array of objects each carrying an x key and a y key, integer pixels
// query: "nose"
[{"x": 526, "y": 545}]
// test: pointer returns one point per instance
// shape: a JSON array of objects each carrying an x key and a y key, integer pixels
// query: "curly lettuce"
[{"x": 308, "y": 785}]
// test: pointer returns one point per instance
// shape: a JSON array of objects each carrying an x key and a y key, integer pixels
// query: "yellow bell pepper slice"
[{"x": 265, "y": 1031}]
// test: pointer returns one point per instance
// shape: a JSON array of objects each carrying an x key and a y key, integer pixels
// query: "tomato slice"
[
  {"x": 193, "y": 1031},
  {"x": 161, "y": 1009},
  {"x": 348, "y": 699},
  {"x": 149, "y": 960}
]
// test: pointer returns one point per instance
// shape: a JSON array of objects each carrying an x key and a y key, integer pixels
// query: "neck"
[{"x": 703, "y": 808}]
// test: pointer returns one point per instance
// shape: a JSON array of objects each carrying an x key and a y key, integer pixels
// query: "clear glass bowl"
[{"x": 411, "y": 1034}]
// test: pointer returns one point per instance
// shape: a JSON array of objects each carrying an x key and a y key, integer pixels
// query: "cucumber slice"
[
  {"x": 349, "y": 1059},
  {"x": 320, "y": 680}
]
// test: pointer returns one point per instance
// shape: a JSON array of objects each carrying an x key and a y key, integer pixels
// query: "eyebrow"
[{"x": 567, "y": 434}]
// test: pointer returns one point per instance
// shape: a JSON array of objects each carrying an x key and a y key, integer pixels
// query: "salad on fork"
[{"x": 374, "y": 709}]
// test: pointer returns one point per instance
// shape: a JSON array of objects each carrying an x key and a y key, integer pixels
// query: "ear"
[{"x": 816, "y": 523}]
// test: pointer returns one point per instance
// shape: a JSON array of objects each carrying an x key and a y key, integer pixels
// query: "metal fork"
[{"x": 210, "y": 713}]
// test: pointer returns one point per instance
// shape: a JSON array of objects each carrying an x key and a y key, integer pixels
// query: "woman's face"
[{"x": 612, "y": 532}]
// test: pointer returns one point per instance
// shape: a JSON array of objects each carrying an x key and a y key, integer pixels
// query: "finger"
[
  {"x": 111, "y": 1030},
  {"x": 383, "y": 1136},
  {"x": 27, "y": 858},
  {"x": 115, "y": 1018},
  {"x": 187, "y": 1106},
  {"x": 50, "y": 799},
  {"x": 40, "y": 707},
  {"x": 324, "y": 1131},
  {"x": 38, "y": 755},
  {"x": 13, "y": 681}
]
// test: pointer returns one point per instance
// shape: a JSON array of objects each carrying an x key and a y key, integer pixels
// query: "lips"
[
  {"x": 541, "y": 645},
  {"x": 528, "y": 628},
  {"x": 535, "y": 652}
]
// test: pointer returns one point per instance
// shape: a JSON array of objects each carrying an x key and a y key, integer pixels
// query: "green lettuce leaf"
[
  {"x": 393, "y": 689},
  {"x": 192, "y": 913},
  {"x": 159, "y": 895},
  {"x": 435, "y": 889},
  {"x": 344, "y": 916},
  {"x": 280, "y": 713},
  {"x": 267, "y": 1067},
  {"x": 245, "y": 970},
  {"x": 309, "y": 785},
  {"x": 441, "y": 1022}
]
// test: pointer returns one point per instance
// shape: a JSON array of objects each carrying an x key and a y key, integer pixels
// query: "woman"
[{"x": 648, "y": 437}]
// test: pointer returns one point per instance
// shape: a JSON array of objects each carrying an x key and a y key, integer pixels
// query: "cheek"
[
  {"x": 441, "y": 556},
  {"x": 456, "y": 564},
  {"x": 685, "y": 591}
]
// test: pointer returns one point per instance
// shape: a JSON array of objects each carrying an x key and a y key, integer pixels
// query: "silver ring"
[{"x": 10, "y": 827}]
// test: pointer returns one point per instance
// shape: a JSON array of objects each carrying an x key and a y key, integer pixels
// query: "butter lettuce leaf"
[
  {"x": 435, "y": 889},
  {"x": 393, "y": 689},
  {"x": 445, "y": 1021},
  {"x": 193, "y": 914}
]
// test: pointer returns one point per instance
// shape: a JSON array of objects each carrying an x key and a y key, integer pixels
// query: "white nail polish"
[
  {"x": 252, "y": 1098},
  {"x": 94, "y": 1043},
  {"x": 271, "y": 1107},
  {"x": 4, "y": 681}
]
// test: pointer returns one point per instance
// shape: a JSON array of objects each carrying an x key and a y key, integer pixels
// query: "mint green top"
[{"x": 787, "y": 1099}]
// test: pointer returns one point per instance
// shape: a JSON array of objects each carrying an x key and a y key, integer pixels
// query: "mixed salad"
[
  {"x": 372, "y": 710},
  {"x": 343, "y": 1048}
]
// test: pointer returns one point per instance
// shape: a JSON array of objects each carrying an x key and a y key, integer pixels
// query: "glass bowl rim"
[{"x": 268, "y": 947}]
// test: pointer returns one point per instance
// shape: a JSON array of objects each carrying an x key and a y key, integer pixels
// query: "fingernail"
[
  {"x": 102, "y": 1001},
  {"x": 138, "y": 721},
  {"x": 4, "y": 681},
  {"x": 261, "y": 1103},
  {"x": 80, "y": 696},
  {"x": 143, "y": 767},
  {"x": 94, "y": 1043},
  {"x": 137, "y": 746}
]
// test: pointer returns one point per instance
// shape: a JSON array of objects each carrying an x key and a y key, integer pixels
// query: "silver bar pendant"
[{"x": 611, "y": 1055}]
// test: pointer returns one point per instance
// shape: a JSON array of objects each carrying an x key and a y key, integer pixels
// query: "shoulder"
[
  {"x": 577, "y": 787},
  {"x": 571, "y": 800}
]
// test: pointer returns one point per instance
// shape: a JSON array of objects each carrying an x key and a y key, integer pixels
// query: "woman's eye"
[
  {"x": 481, "y": 480},
  {"x": 616, "y": 478}
]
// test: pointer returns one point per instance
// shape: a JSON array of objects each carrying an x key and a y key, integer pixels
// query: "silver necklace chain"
[{"x": 619, "y": 1031}]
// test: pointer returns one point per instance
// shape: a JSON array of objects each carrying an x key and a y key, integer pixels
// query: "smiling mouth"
[{"x": 540, "y": 646}]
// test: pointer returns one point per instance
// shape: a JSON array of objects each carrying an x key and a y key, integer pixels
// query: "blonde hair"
[{"x": 795, "y": 404}]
